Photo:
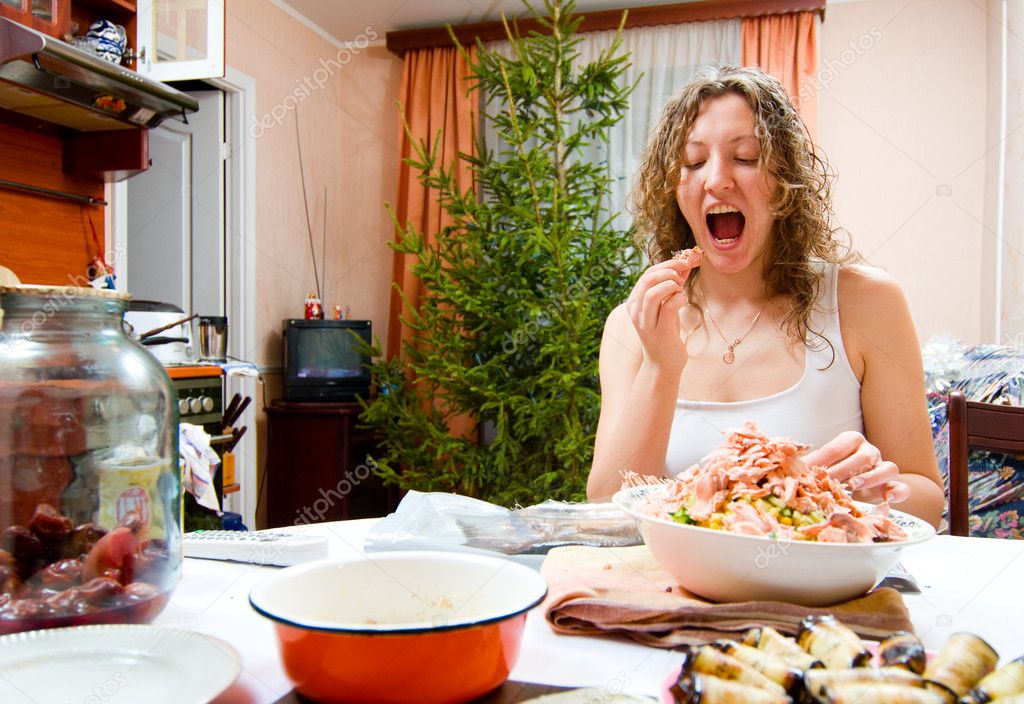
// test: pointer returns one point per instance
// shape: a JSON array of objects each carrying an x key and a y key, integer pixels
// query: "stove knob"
[
  {"x": 183, "y": 406},
  {"x": 207, "y": 403},
  {"x": 196, "y": 405}
]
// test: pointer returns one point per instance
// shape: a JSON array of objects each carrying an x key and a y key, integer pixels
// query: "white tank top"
[{"x": 825, "y": 402}]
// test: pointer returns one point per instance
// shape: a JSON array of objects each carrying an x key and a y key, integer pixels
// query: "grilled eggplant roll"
[
  {"x": 779, "y": 646},
  {"x": 903, "y": 650},
  {"x": 786, "y": 676},
  {"x": 1007, "y": 681},
  {"x": 699, "y": 688},
  {"x": 878, "y": 693},
  {"x": 816, "y": 681},
  {"x": 711, "y": 661},
  {"x": 963, "y": 661},
  {"x": 833, "y": 643}
]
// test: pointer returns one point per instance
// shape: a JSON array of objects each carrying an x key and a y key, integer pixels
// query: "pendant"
[{"x": 729, "y": 357}]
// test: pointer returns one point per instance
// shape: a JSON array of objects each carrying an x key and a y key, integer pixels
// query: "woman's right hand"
[{"x": 653, "y": 307}]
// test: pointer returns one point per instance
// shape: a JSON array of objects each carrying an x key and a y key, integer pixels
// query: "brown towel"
[{"x": 623, "y": 590}]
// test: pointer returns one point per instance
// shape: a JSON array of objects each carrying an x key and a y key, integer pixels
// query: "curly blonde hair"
[{"x": 801, "y": 203}]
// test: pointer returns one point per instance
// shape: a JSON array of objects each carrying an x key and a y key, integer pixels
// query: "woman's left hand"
[{"x": 851, "y": 459}]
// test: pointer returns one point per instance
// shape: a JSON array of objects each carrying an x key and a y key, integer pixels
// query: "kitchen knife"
[
  {"x": 228, "y": 415},
  {"x": 236, "y": 413},
  {"x": 236, "y": 435}
]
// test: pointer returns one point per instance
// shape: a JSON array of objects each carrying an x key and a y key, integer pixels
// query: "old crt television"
[{"x": 323, "y": 361}]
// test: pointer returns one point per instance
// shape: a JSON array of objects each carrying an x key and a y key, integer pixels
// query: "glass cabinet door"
[
  {"x": 51, "y": 17},
  {"x": 180, "y": 39}
]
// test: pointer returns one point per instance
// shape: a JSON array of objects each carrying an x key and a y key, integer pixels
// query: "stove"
[{"x": 200, "y": 395}]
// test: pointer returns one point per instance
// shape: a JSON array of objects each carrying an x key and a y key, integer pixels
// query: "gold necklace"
[{"x": 729, "y": 357}]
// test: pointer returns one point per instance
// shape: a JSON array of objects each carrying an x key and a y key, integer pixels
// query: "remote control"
[{"x": 257, "y": 547}]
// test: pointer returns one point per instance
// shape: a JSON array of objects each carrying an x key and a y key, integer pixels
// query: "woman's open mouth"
[{"x": 725, "y": 224}]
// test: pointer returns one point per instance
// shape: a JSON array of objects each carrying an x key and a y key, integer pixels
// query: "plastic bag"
[{"x": 438, "y": 521}]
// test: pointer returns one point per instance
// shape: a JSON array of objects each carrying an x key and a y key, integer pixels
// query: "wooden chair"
[{"x": 981, "y": 426}]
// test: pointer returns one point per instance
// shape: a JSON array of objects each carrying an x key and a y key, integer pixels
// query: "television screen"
[
  {"x": 329, "y": 353},
  {"x": 323, "y": 361}
]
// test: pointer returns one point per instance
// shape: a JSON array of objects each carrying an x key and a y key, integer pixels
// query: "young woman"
[{"x": 777, "y": 325}]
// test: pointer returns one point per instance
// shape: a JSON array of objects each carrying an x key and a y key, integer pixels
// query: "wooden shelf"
[
  {"x": 118, "y": 7},
  {"x": 232, "y": 488}
]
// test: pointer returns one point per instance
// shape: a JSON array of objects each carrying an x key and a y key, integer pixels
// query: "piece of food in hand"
[
  {"x": 963, "y": 661},
  {"x": 832, "y": 642},
  {"x": 758, "y": 485},
  {"x": 691, "y": 257},
  {"x": 779, "y": 646},
  {"x": 903, "y": 650}
]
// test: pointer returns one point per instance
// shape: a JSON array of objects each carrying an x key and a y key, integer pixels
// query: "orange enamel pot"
[{"x": 400, "y": 626}]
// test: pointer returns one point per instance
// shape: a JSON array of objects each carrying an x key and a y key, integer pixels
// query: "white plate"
[{"x": 114, "y": 664}]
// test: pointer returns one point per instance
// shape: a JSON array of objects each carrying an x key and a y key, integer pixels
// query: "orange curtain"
[
  {"x": 435, "y": 101},
  {"x": 786, "y": 46}
]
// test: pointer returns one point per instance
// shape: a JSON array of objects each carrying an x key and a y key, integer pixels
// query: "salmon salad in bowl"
[
  {"x": 752, "y": 521},
  {"x": 756, "y": 485}
]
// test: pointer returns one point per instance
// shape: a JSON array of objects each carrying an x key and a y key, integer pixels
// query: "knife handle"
[{"x": 229, "y": 411}]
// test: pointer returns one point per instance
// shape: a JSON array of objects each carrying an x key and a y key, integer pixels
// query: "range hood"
[{"x": 47, "y": 79}]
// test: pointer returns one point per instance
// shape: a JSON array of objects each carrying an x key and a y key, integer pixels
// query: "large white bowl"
[{"x": 723, "y": 566}]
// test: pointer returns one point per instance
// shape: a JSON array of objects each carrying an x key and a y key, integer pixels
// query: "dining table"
[{"x": 966, "y": 584}]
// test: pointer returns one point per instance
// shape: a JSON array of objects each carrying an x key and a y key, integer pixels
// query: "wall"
[
  {"x": 903, "y": 117},
  {"x": 344, "y": 100}
]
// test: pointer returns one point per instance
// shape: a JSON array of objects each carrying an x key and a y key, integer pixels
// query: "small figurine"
[
  {"x": 314, "y": 310},
  {"x": 101, "y": 275},
  {"x": 337, "y": 311}
]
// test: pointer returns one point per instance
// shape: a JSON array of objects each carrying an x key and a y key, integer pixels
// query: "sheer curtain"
[{"x": 662, "y": 59}]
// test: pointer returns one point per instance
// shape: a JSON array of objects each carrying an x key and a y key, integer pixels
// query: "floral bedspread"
[
  {"x": 993, "y": 374},
  {"x": 995, "y": 482}
]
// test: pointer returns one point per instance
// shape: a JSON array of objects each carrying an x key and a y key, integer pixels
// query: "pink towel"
[{"x": 623, "y": 590}]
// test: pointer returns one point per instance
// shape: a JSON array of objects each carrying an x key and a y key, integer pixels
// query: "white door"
[
  {"x": 179, "y": 40},
  {"x": 175, "y": 239}
]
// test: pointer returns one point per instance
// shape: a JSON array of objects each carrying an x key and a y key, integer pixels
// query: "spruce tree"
[{"x": 517, "y": 290}]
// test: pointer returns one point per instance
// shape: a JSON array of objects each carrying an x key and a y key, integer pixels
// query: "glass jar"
[{"x": 90, "y": 498}]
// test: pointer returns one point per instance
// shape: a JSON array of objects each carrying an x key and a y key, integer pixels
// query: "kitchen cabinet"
[
  {"x": 168, "y": 40},
  {"x": 316, "y": 467},
  {"x": 180, "y": 40},
  {"x": 51, "y": 17}
]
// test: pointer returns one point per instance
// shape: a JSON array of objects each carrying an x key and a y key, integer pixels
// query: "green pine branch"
[{"x": 516, "y": 290}]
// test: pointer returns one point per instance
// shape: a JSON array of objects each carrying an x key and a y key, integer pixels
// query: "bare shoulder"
[
  {"x": 861, "y": 285},
  {"x": 619, "y": 324},
  {"x": 620, "y": 337},
  {"x": 874, "y": 318}
]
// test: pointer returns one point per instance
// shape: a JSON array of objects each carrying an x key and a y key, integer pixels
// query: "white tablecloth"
[{"x": 968, "y": 584}]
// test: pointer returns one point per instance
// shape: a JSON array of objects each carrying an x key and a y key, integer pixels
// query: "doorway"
[
  {"x": 237, "y": 262},
  {"x": 176, "y": 227}
]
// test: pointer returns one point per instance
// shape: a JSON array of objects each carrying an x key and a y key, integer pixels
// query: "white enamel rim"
[
  {"x": 918, "y": 531},
  {"x": 20, "y": 651},
  {"x": 535, "y": 591}
]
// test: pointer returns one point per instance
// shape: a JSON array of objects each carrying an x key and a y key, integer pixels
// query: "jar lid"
[{"x": 68, "y": 291}]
